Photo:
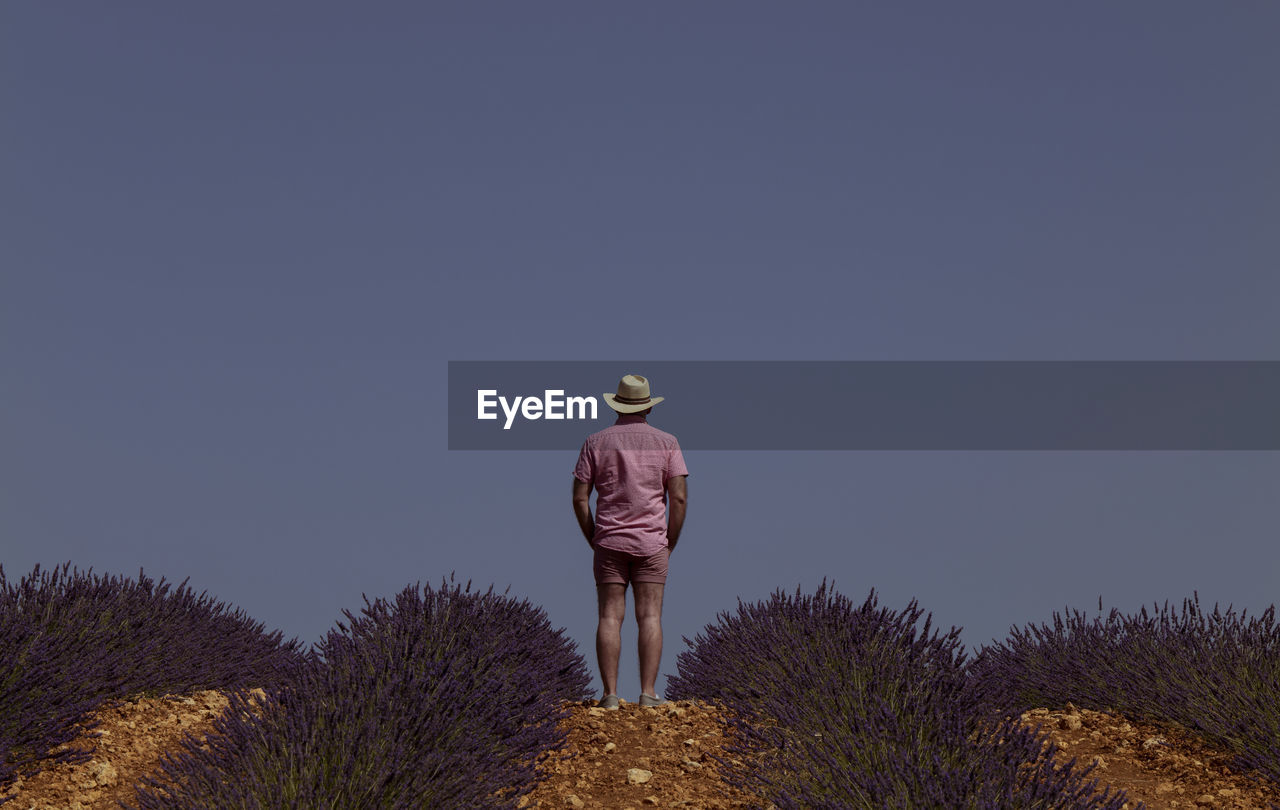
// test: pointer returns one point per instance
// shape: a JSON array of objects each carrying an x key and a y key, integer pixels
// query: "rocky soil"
[
  {"x": 127, "y": 744},
  {"x": 1161, "y": 766},
  {"x": 637, "y": 758},
  {"x": 655, "y": 757}
]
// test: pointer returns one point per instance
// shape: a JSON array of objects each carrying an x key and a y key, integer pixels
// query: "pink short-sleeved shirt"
[{"x": 629, "y": 465}]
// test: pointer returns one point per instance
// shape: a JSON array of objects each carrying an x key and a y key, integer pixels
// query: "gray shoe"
[
  {"x": 609, "y": 702},
  {"x": 650, "y": 700}
]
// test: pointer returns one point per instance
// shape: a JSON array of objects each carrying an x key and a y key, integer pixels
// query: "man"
[{"x": 635, "y": 468}]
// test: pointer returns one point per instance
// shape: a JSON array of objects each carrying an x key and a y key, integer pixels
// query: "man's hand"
[
  {"x": 677, "y": 501},
  {"x": 582, "y": 509}
]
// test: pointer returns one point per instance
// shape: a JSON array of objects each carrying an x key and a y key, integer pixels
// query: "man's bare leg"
[
  {"x": 649, "y": 619},
  {"x": 612, "y": 610}
]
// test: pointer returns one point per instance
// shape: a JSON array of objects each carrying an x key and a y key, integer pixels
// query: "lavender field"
[{"x": 450, "y": 697}]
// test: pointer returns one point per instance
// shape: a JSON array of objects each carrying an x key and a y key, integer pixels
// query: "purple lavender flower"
[
  {"x": 441, "y": 698},
  {"x": 841, "y": 707},
  {"x": 70, "y": 640}
]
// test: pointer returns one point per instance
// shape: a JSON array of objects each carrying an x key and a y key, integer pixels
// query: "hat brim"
[{"x": 620, "y": 407}]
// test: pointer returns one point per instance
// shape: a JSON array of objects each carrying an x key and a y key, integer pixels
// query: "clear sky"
[{"x": 240, "y": 242}]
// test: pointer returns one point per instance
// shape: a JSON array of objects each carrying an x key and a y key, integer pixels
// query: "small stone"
[
  {"x": 651, "y": 801},
  {"x": 609, "y": 747},
  {"x": 638, "y": 776},
  {"x": 1228, "y": 792},
  {"x": 690, "y": 765},
  {"x": 1070, "y": 723},
  {"x": 690, "y": 742},
  {"x": 1164, "y": 787},
  {"x": 573, "y": 801},
  {"x": 1100, "y": 763},
  {"x": 596, "y": 711},
  {"x": 96, "y": 773},
  {"x": 105, "y": 774},
  {"x": 1206, "y": 800}
]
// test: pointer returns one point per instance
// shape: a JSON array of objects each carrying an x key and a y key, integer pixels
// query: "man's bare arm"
[
  {"x": 677, "y": 501},
  {"x": 582, "y": 508}
]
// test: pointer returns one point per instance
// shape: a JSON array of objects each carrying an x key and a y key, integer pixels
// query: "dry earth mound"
[
  {"x": 1161, "y": 766},
  {"x": 654, "y": 757},
  {"x": 127, "y": 744}
]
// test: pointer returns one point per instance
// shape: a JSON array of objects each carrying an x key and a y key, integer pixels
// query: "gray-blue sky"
[{"x": 240, "y": 244}]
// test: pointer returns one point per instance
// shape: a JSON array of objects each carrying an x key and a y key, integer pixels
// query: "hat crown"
[
  {"x": 633, "y": 395},
  {"x": 633, "y": 389}
]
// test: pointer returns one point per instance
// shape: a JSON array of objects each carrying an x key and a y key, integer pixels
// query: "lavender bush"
[
  {"x": 1216, "y": 673},
  {"x": 843, "y": 707},
  {"x": 442, "y": 698},
  {"x": 70, "y": 640}
]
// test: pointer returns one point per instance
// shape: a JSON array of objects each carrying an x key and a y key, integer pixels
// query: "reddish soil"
[
  {"x": 127, "y": 744},
  {"x": 1159, "y": 765},
  {"x": 609, "y": 754},
  {"x": 637, "y": 758}
]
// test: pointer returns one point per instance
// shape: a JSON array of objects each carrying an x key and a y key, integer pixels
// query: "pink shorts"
[{"x": 622, "y": 568}]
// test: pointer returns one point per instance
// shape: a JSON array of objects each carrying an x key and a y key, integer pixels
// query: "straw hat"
[{"x": 633, "y": 395}]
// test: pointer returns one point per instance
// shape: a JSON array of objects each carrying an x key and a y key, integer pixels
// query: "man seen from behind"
[{"x": 640, "y": 477}]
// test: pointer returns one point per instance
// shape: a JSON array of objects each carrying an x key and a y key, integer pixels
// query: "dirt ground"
[
  {"x": 1161, "y": 766},
  {"x": 656, "y": 757},
  {"x": 639, "y": 757},
  {"x": 128, "y": 744}
]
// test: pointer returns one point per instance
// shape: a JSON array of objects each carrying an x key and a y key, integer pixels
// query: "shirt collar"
[{"x": 630, "y": 419}]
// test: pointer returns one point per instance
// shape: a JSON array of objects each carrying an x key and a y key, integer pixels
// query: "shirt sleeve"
[
  {"x": 675, "y": 463},
  {"x": 585, "y": 471}
]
